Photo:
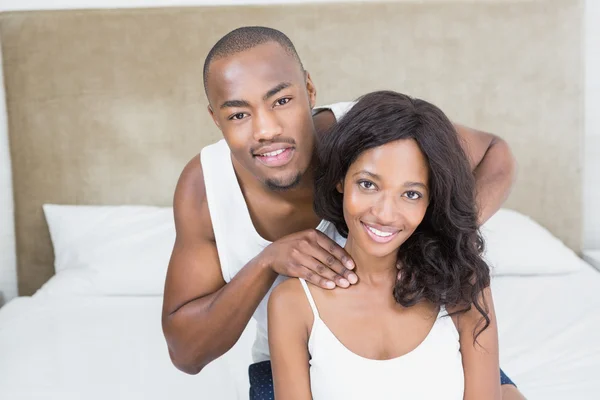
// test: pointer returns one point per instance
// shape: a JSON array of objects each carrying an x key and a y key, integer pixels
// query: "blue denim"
[{"x": 261, "y": 381}]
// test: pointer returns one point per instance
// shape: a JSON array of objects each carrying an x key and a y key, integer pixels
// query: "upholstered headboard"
[{"x": 106, "y": 107}]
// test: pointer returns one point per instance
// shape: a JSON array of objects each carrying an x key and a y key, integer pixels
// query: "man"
[{"x": 243, "y": 210}]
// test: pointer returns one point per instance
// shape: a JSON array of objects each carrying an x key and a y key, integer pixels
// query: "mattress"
[
  {"x": 54, "y": 347},
  {"x": 75, "y": 347},
  {"x": 548, "y": 328}
]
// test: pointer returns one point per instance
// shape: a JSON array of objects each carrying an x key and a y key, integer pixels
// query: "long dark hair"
[{"x": 441, "y": 261}]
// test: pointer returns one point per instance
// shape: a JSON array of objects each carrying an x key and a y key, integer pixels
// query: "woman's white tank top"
[{"x": 433, "y": 370}]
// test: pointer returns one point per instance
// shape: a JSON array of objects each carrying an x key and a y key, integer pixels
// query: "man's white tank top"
[
  {"x": 237, "y": 240},
  {"x": 433, "y": 370}
]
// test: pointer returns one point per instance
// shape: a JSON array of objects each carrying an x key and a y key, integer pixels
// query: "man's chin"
[{"x": 283, "y": 184}]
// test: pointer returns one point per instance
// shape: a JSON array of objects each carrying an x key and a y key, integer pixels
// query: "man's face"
[{"x": 262, "y": 100}]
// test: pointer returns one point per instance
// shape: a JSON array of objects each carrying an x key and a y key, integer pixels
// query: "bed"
[
  {"x": 112, "y": 347},
  {"x": 106, "y": 107}
]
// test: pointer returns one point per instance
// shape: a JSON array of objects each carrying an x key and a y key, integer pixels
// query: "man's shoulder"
[
  {"x": 216, "y": 163},
  {"x": 193, "y": 172},
  {"x": 338, "y": 109},
  {"x": 190, "y": 202},
  {"x": 191, "y": 180},
  {"x": 213, "y": 150},
  {"x": 327, "y": 116}
]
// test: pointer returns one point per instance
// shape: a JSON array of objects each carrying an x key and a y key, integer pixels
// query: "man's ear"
[
  {"x": 213, "y": 116},
  {"x": 311, "y": 90},
  {"x": 340, "y": 187}
]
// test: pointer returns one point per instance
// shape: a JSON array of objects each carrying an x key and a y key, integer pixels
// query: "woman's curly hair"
[{"x": 441, "y": 261}]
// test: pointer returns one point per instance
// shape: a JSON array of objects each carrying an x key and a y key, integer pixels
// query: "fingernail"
[
  {"x": 349, "y": 265},
  {"x": 353, "y": 278},
  {"x": 344, "y": 283},
  {"x": 330, "y": 285}
]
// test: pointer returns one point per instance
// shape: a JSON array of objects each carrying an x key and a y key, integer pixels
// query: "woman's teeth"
[{"x": 380, "y": 233}]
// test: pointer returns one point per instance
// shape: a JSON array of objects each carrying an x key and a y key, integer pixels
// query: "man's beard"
[{"x": 280, "y": 185}]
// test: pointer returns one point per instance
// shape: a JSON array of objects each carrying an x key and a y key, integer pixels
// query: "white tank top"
[
  {"x": 433, "y": 370},
  {"x": 237, "y": 240}
]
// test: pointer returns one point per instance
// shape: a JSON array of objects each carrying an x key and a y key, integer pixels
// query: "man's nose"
[{"x": 266, "y": 126}]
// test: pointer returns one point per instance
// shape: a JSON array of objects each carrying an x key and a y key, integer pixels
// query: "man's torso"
[{"x": 244, "y": 224}]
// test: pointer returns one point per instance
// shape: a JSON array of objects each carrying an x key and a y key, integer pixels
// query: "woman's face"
[{"x": 386, "y": 194}]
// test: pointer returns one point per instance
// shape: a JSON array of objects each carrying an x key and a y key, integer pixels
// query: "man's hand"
[{"x": 311, "y": 255}]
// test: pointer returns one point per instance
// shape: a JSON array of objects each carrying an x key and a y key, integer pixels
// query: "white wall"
[{"x": 592, "y": 121}]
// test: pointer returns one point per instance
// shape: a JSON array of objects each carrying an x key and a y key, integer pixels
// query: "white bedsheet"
[
  {"x": 104, "y": 348},
  {"x": 549, "y": 330},
  {"x": 54, "y": 347}
]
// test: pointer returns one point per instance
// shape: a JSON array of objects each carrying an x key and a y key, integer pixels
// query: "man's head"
[{"x": 261, "y": 98}]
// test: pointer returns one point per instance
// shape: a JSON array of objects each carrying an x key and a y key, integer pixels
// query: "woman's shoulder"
[
  {"x": 289, "y": 295},
  {"x": 288, "y": 301},
  {"x": 289, "y": 290}
]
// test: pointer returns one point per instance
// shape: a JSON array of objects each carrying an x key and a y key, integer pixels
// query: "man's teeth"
[
  {"x": 380, "y": 233},
  {"x": 273, "y": 153}
]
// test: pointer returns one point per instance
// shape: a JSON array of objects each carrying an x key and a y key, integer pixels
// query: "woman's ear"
[{"x": 340, "y": 187}]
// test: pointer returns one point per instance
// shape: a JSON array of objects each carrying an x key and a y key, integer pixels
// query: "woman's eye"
[
  {"x": 413, "y": 195},
  {"x": 366, "y": 185},
  {"x": 283, "y": 101},
  {"x": 237, "y": 116}
]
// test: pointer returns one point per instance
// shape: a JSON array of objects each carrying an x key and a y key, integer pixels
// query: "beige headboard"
[{"x": 106, "y": 107}]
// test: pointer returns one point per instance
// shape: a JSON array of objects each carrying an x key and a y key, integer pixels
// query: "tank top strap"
[{"x": 311, "y": 301}]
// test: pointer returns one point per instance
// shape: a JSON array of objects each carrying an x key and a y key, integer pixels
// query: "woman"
[{"x": 420, "y": 323}]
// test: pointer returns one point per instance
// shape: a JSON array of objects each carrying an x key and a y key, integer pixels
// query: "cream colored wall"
[
  {"x": 592, "y": 154},
  {"x": 8, "y": 275},
  {"x": 591, "y": 211}
]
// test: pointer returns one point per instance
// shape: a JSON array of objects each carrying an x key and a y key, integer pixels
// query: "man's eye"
[{"x": 237, "y": 116}]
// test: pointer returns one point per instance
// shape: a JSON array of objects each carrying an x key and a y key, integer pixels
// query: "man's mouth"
[{"x": 275, "y": 157}]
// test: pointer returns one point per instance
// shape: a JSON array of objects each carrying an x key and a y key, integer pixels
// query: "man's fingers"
[
  {"x": 343, "y": 274},
  {"x": 316, "y": 279},
  {"x": 335, "y": 249},
  {"x": 329, "y": 278},
  {"x": 336, "y": 258}
]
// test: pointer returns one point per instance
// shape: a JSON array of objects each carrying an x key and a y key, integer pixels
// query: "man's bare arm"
[
  {"x": 494, "y": 168},
  {"x": 202, "y": 316}
]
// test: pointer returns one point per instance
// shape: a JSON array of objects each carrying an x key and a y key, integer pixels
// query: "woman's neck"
[{"x": 372, "y": 270}]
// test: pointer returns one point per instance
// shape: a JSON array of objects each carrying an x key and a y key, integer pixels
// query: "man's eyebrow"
[
  {"x": 276, "y": 90},
  {"x": 235, "y": 103}
]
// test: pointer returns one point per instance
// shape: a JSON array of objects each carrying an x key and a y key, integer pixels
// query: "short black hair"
[
  {"x": 245, "y": 38},
  {"x": 442, "y": 260}
]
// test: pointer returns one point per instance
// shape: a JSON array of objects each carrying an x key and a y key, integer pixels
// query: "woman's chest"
[{"x": 378, "y": 331}]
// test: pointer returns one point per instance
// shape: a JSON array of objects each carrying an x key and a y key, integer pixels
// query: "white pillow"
[
  {"x": 115, "y": 250},
  {"x": 517, "y": 245},
  {"x": 125, "y": 250}
]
